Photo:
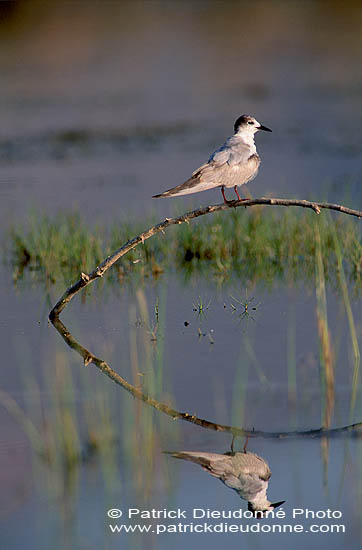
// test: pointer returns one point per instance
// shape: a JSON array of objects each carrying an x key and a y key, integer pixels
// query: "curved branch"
[
  {"x": 89, "y": 357},
  {"x": 86, "y": 279}
]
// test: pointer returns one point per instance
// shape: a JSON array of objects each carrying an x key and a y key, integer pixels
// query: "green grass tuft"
[{"x": 259, "y": 244}]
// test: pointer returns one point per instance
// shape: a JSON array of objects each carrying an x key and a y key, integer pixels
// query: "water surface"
[{"x": 102, "y": 106}]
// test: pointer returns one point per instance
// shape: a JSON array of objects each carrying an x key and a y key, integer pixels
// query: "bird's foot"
[
  {"x": 237, "y": 194},
  {"x": 232, "y": 203},
  {"x": 228, "y": 203}
]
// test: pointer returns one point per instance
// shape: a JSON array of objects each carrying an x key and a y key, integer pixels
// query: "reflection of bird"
[
  {"x": 235, "y": 163},
  {"x": 246, "y": 473}
]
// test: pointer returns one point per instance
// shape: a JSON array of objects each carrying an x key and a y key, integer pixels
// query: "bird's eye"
[{"x": 250, "y": 122}]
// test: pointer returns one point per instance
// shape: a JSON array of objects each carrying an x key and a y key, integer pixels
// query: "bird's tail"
[
  {"x": 199, "y": 458},
  {"x": 192, "y": 185},
  {"x": 213, "y": 463}
]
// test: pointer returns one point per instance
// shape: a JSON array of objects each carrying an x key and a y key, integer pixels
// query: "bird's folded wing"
[
  {"x": 205, "y": 177},
  {"x": 231, "y": 153},
  {"x": 208, "y": 173},
  {"x": 248, "y": 486},
  {"x": 214, "y": 463}
]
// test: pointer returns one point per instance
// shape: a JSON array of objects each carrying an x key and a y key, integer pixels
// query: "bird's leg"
[
  {"x": 225, "y": 199},
  {"x": 246, "y": 444},
  {"x": 232, "y": 444},
  {"x": 237, "y": 193}
]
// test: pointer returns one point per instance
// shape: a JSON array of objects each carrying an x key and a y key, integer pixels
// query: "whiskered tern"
[
  {"x": 234, "y": 164},
  {"x": 246, "y": 473}
]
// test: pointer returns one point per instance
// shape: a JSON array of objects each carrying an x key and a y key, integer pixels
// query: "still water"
[{"x": 102, "y": 106}]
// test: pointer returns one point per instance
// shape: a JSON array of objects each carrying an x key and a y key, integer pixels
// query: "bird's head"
[
  {"x": 259, "y": 510},
  {"x": 246, "y": 124}
]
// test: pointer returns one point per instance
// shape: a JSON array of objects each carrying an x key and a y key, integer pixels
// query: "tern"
[
  {"x": 234, "y": 164},
  {"x": 245, "y": 472}
]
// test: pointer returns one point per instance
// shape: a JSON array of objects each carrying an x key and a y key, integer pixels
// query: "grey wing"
[
  {"x": 247, "y": 473},
  {"x": 247, "y": 483},
  {"x": 232, "y": 166},
  {"x": 250, "y": 463},
  {"x": 203, "y": 178},
  {"x": 248, "y": 486},
  {"x": 207, "y": 176},
  {"x": 231, "y": 153},
  {"x": 215, "y": 464},
  {"x": 225, "y": 166}
]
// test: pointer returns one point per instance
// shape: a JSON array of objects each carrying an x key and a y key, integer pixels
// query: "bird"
[
  {"x": 246, "y": 473},
  {"x": 234, "y": 164}
]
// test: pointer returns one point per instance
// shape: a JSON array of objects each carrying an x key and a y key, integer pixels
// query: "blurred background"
[{"x": 102, "y": 105}]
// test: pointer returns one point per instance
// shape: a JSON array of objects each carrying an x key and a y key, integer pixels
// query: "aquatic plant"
[{"x": 259, "y": 245}]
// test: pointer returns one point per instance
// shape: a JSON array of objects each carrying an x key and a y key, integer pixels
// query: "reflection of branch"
[
  {"x": 108, "y": 262},
  {"x": 88, "y": 358}
]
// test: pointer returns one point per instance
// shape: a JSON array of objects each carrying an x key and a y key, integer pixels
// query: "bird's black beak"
[
  {"x": 261, "y": 127},
  {"x": 276, "y": 504}
]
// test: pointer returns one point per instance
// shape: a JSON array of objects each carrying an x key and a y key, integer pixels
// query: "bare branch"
[{"x": 86, "y": 279}]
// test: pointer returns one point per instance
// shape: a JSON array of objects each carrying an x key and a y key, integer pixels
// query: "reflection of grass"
[
  {"x": 72, "y": 422},
  {"x": 291, "y": 332},
  {"x": 326, "y": 352},
  {"x": 351, "y": 324},
  {"x": 257, "y": 244}
]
